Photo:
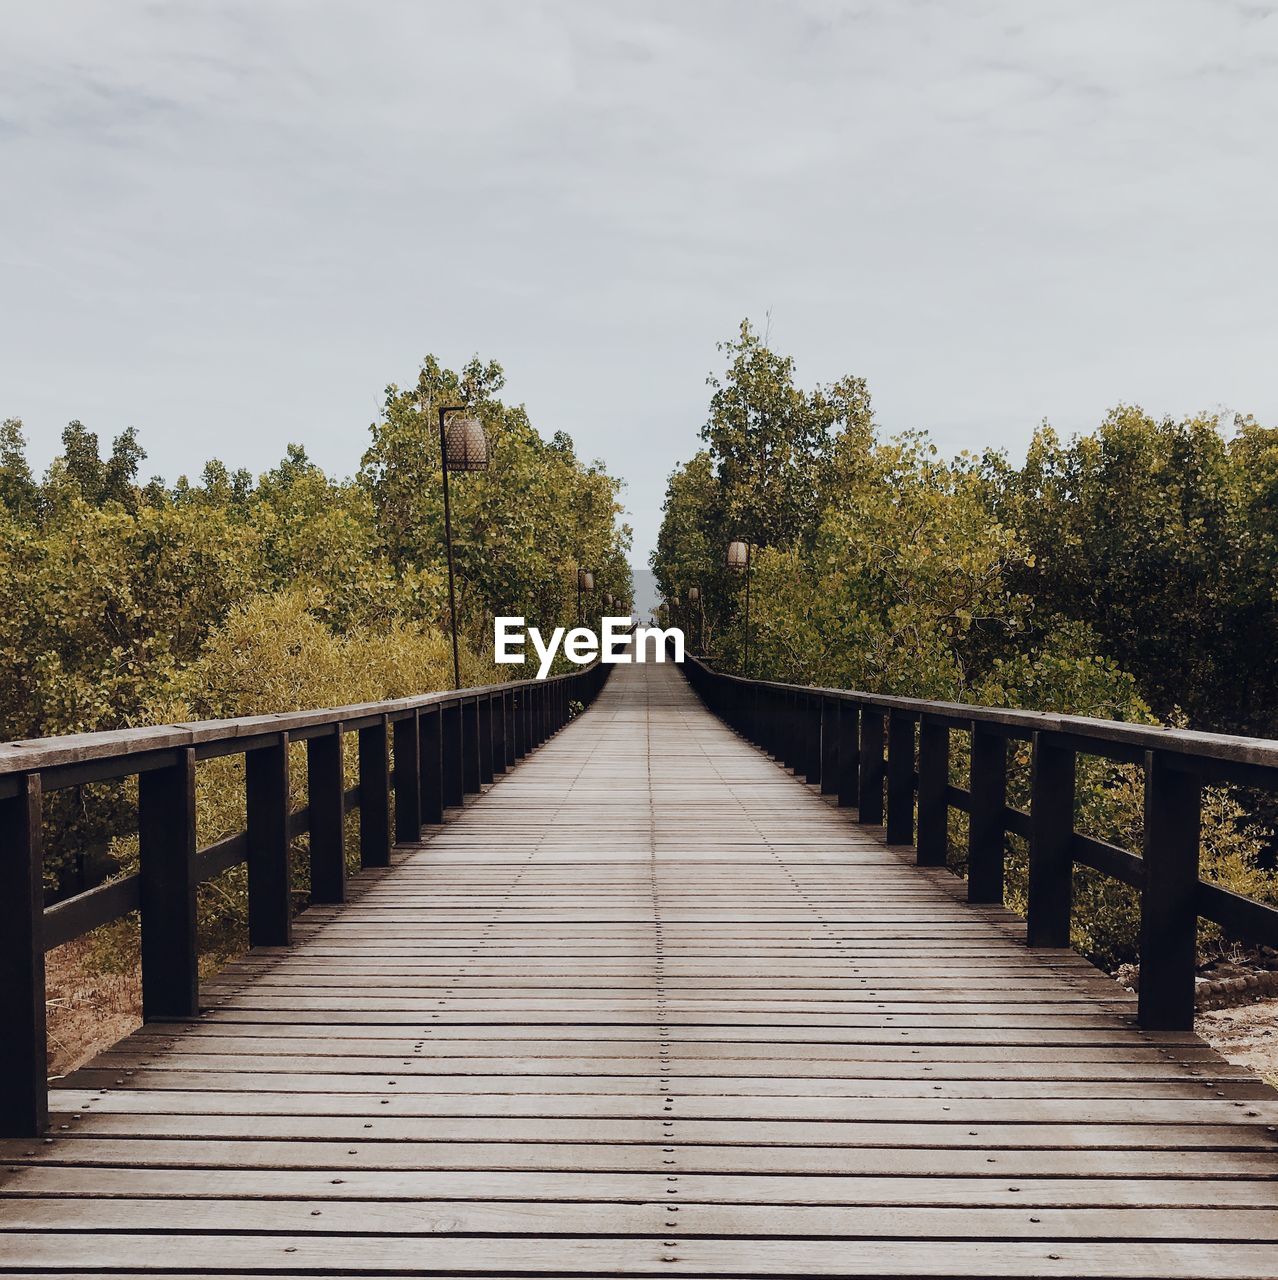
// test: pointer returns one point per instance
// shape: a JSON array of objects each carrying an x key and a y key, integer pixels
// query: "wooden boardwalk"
[{"x": 650, "y": 1006}]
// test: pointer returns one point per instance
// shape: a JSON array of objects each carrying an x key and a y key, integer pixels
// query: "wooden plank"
[
  {"x": 638, "y": 1255},
  {"x": 425, "y": 1218},
  {"x": 940, "y": 1135},
  {"x": 77, "y": 1183},
  {"x": 884, "y": 1162}
]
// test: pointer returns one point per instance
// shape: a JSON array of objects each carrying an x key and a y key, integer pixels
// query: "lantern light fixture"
[
  {"x": 462, "y": 447},
  {"x": 465, "y": 445},
  {"x": 738, "y": 560}
]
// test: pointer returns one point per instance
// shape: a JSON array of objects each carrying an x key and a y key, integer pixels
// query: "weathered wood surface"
[{"x": 651, "y": 1006}]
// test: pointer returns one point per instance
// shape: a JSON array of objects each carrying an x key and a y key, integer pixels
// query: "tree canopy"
[
  {"x": 125, "y": 601},
  {"x": 1129, "y": 573}
]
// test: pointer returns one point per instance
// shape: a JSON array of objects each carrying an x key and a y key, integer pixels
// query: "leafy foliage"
[
  {"x": 1126, "y": 573},
  {"x": 125, "y": 603}
]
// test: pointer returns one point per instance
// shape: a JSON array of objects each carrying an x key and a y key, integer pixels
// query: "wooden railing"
[
  {"x": 427, "y": 753},
  {"x": 837, "y": 738}
]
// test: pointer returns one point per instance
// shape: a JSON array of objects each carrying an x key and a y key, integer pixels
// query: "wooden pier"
[{"x": 651, "y": 1005}]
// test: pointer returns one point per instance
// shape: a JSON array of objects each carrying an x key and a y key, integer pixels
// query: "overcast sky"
[{"x": 232, "y": 224}]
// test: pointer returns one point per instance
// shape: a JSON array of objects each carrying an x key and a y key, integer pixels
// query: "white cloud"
[{"x": 233, "y": 224}]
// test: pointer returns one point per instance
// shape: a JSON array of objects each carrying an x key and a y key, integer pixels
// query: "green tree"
[{"x": 19, "y": 493}]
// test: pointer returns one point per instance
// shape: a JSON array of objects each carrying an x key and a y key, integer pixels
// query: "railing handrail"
[
  {"x": 1015, "y": 723},
  {"x": 837, "y": 738},
  {"x": 32, "y": 755}
]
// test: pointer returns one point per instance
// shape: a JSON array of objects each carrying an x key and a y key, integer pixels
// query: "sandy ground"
[
  {"x": 1246, "y": 1034},
  {"x": 86, "y": 1011}
]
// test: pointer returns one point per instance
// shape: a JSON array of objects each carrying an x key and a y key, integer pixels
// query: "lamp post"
[
  {"x": 738, "y": 560},
  {"x": 585, "y": 583},
  {"x": 694, "y": 598},
  {"x": 462, "y": 447}
]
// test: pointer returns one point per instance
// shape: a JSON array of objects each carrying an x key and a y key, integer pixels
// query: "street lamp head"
[
  {"x": 585, "y": 580},
  {"x": 465, "y": 445},
  {"x": 674, "y": 599},
  {"x": 694, "y": 595},
  {"x": 738, "y": 558}
]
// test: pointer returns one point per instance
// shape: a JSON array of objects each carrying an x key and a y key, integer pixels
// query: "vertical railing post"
[
  {"x": 24, "y": 1088},
  {"x": 269, "y": 873},
  {"x": 900, "y": 765},
  {"x": 471, "y": 776},
  {"x": 1168, "y": 915},
  {"x": 374, "y": 795},
  {"x": 812, "y": 739},
  {"x": 870, "y": 779},
  {"x": 431, "y": 750},
  {"x": 934, "y": 806},
  {"x": 793, "y": 750},
  {"x": 986, "y": 830},
  {"x": 519, "y": 718},
  {"x": 454, "y": 735},
  {"x": 849, "y": 753},
  {"x": 326, "y": 809},
  {"x": 508, "y": 756},
  {"x": 484, "y": 714},
  {"x": 408, "y": 781},
  {"x": 1051, "y": 858},
  {"x": 829, "y": 746},
  {"x": 167, "y": 889}
]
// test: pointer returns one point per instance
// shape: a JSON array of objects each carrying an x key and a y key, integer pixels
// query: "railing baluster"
[
  {"x": 900, "y": 766},
  {"x": 829, "y": 746},
  {"x": 1168, "y": 918},
  {"x": 793, "y": 732},
  {"x": 869, "y": 791},
  {"x": 506, "y": 700},
  {"x": 849, "y": 753},
  {"x": 471, "y": 746},
  {"x": 811, "y": 722},
  {"x": 408, "y": 781},
  {"x": 934, "y": 809},
  {"x": 269, "y": 874},
  {"x": 1051, "y": 861},
  {"x": 167, "y": 890},
  {"x": 454, "y": 787},
  {"x": 484, "y": 711},
  {"x": 24, "y": 1091},
  {"x": 519, "y": 722},
  {"x": 430, "y": 750},
  {"x": 326, "y": 807},
  {"x": 986, "y": 834},
  {"x": 374, "y": 795}
]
